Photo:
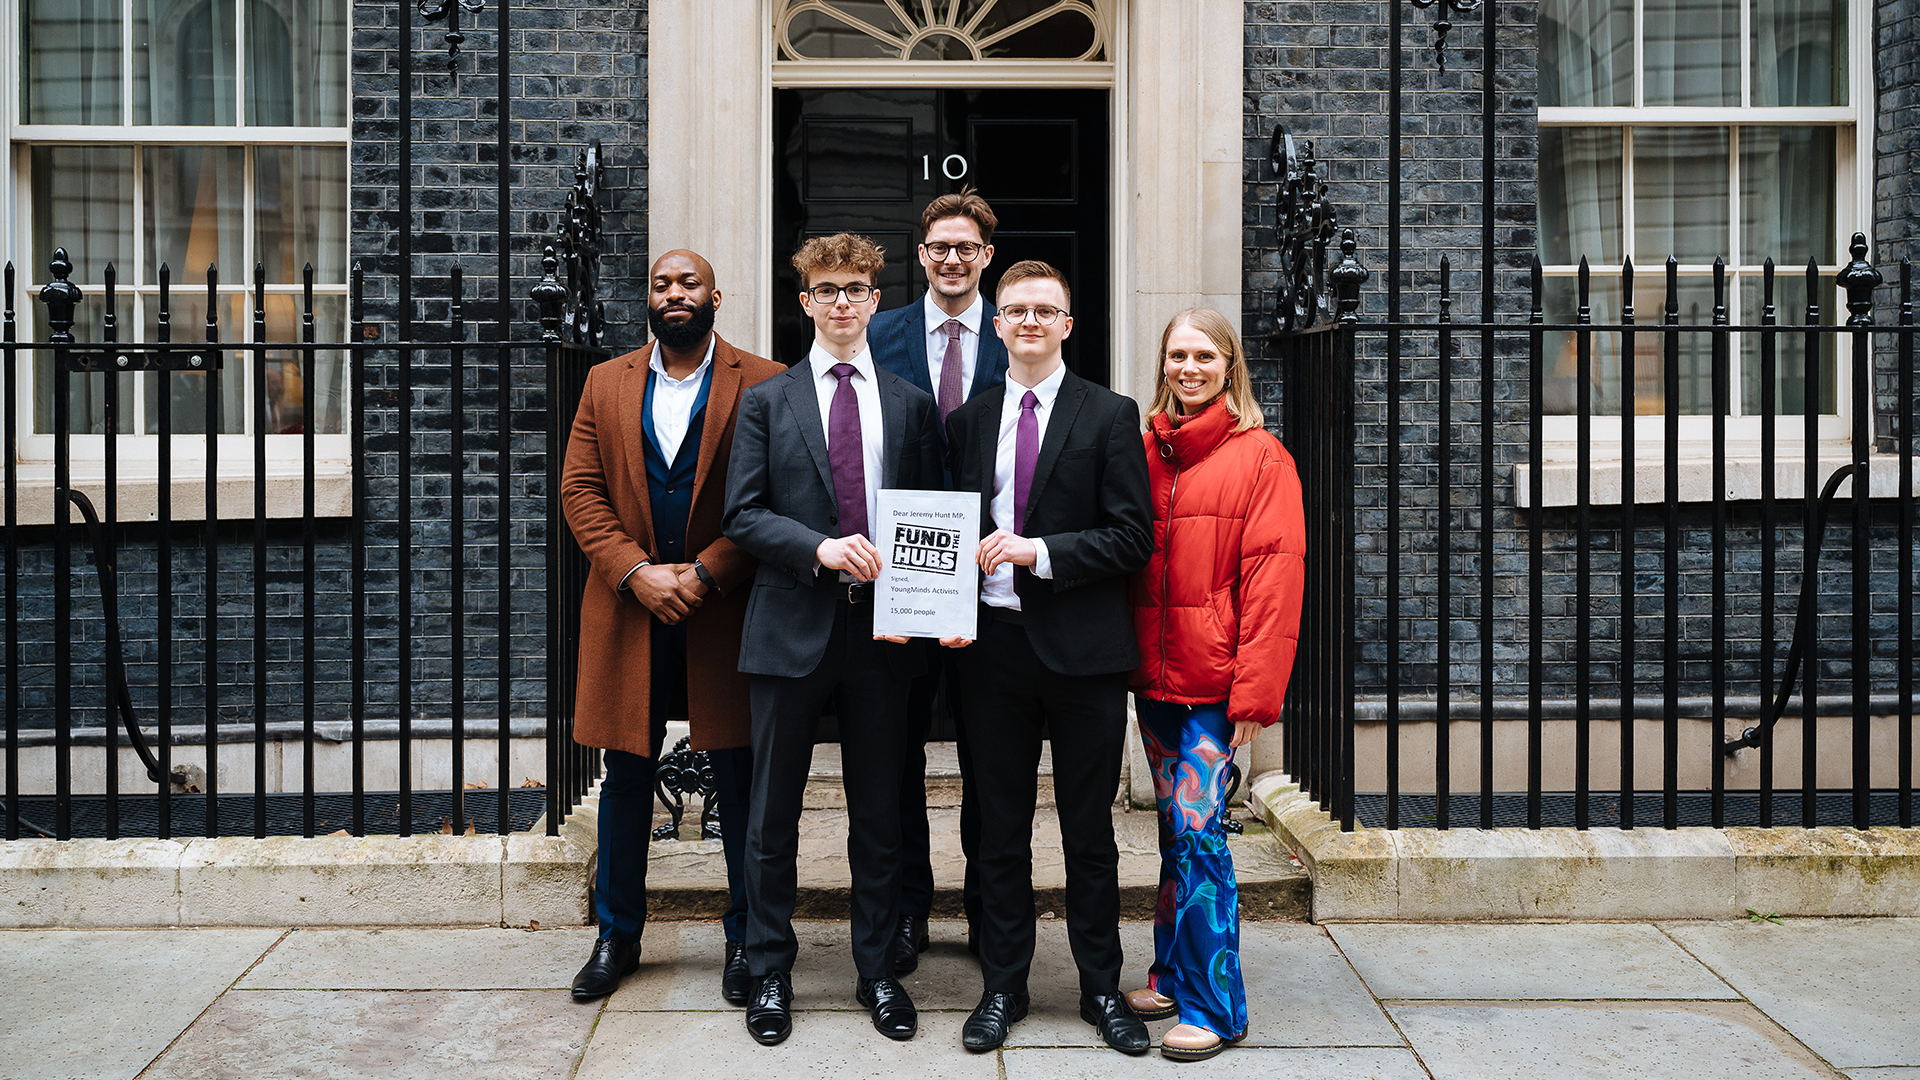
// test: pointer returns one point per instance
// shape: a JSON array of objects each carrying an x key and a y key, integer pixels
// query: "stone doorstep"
[
  {"x": 1411, "y": 875},
  {"x": 292, "y": 881}
]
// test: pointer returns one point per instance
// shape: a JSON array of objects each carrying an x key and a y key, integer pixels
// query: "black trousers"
[
  {"x": 916, "y": 860},
  {"x": 871, "y": 713},
  {"x": 1010, "y": 696}
]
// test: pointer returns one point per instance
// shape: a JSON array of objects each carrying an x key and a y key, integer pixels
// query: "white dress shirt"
[
  {"x": 937, "y": 341},
  {"x": 997, "y": 591},
  {"x": 866, "y": 391},
  {"x": 673, "y": 402}
]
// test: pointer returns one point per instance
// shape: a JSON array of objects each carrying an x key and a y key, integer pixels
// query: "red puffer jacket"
[{"x": 1217, "y": 609}]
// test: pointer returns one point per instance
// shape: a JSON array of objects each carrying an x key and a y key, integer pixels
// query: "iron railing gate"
[
  {"x": 444, "y": 607},
  {"x": 1446, "y": 598}
]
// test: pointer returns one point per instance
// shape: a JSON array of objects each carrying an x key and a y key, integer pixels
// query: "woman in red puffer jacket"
[{"x": 1217, "y": 612}]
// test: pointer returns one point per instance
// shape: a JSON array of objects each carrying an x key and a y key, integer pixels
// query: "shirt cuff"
[
  {"x": 1042, "y": 565},
  {"x": 622, "y": 587}
]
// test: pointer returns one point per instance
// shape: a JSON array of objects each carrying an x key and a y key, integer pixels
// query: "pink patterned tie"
[
  {"x": 950, "y": 393},
  {"x": 1026, "y": 449},
  {"x": 844, "y": 455}
]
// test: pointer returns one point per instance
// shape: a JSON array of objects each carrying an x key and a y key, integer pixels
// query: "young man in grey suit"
[
  {"x": 945, "y": 345},
  {"x": 1062, "y": 477},
  {"x": 811, "y": 448}
]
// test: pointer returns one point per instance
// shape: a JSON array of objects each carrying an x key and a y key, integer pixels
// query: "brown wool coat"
[{"x": 603, "y": 489}]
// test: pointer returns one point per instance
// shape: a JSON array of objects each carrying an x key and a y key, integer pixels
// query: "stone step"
[
  {"x": 687, "y": 878},
  {"x": 824, "y": 791}
]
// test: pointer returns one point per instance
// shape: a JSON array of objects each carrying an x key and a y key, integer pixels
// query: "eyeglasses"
[
  {"x": 830, "y": 294},
  {"x": 1043, "y": 314},
  {"x": 966, "y": 249}
]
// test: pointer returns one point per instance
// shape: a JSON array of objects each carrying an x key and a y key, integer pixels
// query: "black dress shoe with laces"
[
  {"x": 611, "y": 961},
  {"x": 736, "y": 983},
  {"x": 893, "y": 1013},
  {"x": 908, "y": 944},
  {"x": 987, "y": 1028},
  {"x": 770, "y": 1013},
  {"x": 1117, "y": 1025}
]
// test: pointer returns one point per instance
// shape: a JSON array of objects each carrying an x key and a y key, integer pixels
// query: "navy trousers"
[{"x": 627, "y": 802}]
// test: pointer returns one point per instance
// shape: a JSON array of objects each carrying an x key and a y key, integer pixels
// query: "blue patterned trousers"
[{"x": 1196, "y": 920}]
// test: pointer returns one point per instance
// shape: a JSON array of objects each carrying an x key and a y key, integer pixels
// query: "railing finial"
[
  {"x": 551, "y": 296},
  {"x": 1347, "y": 276},
  {"x": 1859, "y": 278},
  {"x": 61, "y": 297}
]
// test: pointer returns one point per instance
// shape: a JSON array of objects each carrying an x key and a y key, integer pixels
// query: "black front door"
[{"x": 868, "y": 161}]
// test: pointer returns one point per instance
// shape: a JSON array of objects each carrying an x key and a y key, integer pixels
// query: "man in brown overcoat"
[{"x": 643, "y": 489}]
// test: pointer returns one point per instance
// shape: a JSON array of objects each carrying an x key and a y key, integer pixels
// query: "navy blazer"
[{"x": 898, "y": 339}]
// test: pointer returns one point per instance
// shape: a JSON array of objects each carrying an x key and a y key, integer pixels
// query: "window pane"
[
  {"x": 194, "y": 199},
  {"x": 1680, "y": 194},
  {"x": 83, "y": 201},
  {"x": 1696, "y": 349},
  {"x": 1790, "y": 371},
  {"x": 86, "y": 393},
  {"x": 288, "y": 369},
  {"x": 72, "y": 51},
  {"x": 819, "y": 36},
  {"x": 188, "y": 389},
  {"x": 1579, "y": 195},
  {"x": 183, "y": 62},
  {"x": 297, "y": 63},
  {"x": 1586, "y": 52},
  {"x": 1559, "y": 298},
  {"x": 1799, "y": 52},
  {"x": 1786, "y": 195},
  {"x": 1692, "y": 52},
  {"x": 300, "y": 212}
]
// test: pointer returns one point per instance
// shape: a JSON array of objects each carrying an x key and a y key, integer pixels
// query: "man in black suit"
[
  {"x": 1062, "y": 477},
  {"x": 811, "y": 447},
  {"x": 945, "y": 345}
]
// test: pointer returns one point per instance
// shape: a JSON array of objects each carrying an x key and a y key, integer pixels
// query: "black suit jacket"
[
  {"x": 1089, "y": 502},
  {"x": 780, "y": 506}
]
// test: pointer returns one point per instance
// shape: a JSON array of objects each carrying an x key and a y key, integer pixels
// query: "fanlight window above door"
[{"x": 941, "y": 30}]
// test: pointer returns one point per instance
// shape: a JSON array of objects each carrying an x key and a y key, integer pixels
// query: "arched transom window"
[{"x": 941, "y": 30}]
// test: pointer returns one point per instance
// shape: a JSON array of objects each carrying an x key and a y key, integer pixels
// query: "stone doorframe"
[{"x": 1178, "y": 91}]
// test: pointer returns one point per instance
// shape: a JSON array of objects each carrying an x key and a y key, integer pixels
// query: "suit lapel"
[
  {"x": 990, "y": 359},
  {"x": 721, "y": 394},
  {"x": 916, "y": 350},
  {"x": 986, "y": 444},
  {"x": 633, "y": 407},
  {"x": 1066, "y": 405},
  {"x": 893, "y": 428},
  {"x": 806, "y": 408}
]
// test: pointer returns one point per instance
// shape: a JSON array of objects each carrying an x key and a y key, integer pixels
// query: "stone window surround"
[{"x": 1176, "y": 212}]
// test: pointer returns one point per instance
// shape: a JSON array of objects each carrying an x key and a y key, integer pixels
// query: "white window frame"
[
  {"x": 1853, "y": 203},
  {"x": 137, "y": 454}
]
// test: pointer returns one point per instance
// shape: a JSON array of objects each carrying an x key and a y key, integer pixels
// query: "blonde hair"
[{"x": 1238, "y": 395}]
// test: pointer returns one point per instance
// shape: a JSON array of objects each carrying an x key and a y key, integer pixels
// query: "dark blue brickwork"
[
  {"x": 579, "y": 73},
  {"x": 1896, "y": 189}
]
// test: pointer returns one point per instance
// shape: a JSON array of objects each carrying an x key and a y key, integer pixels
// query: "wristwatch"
[{"x": 706, "y": 577}]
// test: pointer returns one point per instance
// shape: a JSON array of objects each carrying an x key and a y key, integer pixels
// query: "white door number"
[{"x": 953, "y": 166}]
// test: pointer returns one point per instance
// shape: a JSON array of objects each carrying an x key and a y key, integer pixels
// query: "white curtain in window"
[
  {"x": 72, "y": 51},
  {"x": 1799, "y": 52},
  {"x": 1586, "y": 53},
  {"x": 1692, "y": 52},
  {"x": 184, "y": 54}
]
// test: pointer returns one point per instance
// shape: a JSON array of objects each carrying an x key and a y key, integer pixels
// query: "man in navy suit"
[{"x": 945, "y": 345}]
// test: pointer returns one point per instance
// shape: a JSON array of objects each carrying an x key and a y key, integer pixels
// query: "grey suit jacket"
[{"x": 780, "y": 506}]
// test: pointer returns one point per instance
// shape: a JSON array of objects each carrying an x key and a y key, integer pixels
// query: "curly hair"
[{"x": 841, "y": 251}]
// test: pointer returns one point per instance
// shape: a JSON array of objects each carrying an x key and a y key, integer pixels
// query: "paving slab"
[
  {"x": 1268, "y": 1064},
  {"x": 464, "y": 959},
  {"x": 1848, "y": 988},
  {"x": 1525, "y": 961},
  {"x": 824, "y": 1046},
  {"x": 1891, "y": 1072},
  {"x": 382, "y": 1035},
  {"x": 96, "y": 1004},
  {"x": 1300, "y": 991},
  {"x": 1664, "y": 1041}
]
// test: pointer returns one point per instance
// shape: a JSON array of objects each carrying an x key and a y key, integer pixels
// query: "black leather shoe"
[
  {"x": 908, "y": 944},
  {"x": 987, "y": 1028},
  {"x": 1117, "y": 1025},
  {"x": 736, "y": 984},
  {"x": 893, "y": 1013},
  {"x": 770, "y": 1013},
  {"x": 611, "y": 961}
]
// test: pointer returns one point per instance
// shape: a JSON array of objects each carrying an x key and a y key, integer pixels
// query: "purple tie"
[
  {"x": 950, "y": 394},
  {"x": 1026, "y": 448},
  {"x": 844, "y": 454}
]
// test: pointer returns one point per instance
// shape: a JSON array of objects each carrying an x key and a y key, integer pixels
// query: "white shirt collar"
[
  {"x": 1048, "y": 389},
  {"x": 660, "y": 368},
  {"x": 823, "y": 362},
  {"x": 969, "y": 318}
]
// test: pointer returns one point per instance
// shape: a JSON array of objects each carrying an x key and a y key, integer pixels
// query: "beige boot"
[{"x": 1147, "y": 1004}]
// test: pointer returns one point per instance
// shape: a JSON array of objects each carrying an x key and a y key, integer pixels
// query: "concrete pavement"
[{"x": 1692, "y": 1000}]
